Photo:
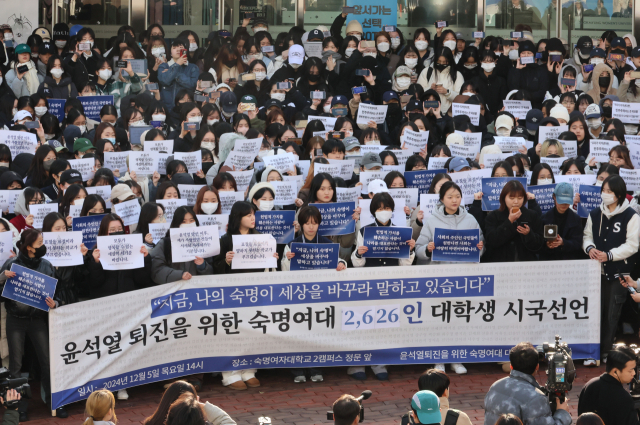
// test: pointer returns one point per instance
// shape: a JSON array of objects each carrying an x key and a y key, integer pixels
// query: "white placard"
[
  {"x": 346, "y": 168},
  {"x": 554, "y": 163},
  {"x": 75, "y": 210},
  {"x": 402, "y": 156},
  {"x": 227, "y": 199},
  {"x": 84, "y": 167},
  {"x": 367, "y": 176},
  {"x": 368, "y": 112},
  {"x": 322, "y": 134},
  {"x": 143, "y": 162},
  {"x": 390, "y": 168},
  {"x": 117, "y": 161},
  {"x": 331, "y": 169},
  {"x": 313, "y": 49},
  {"x": 40, "y": 211},
  {"x": 437, "y": 163},
  {"x": 191, "y": 242},
  {"x": 471, "y": 139},
  {"x": 517, "y": 108},
  {"x": 627, "y": 112},
  {"x": 103, "y": 191},
  {"x": 253, "y": 252},
  {"x": 282, "y": 163},
  {"x": 634, "y": 153},
  {"x": 286, "y": 192},
  {"x": 19, "y": 142},
  {"x": 428, "y": 202},
  {"x": 63, "y": 248},
  {"x": 599, "y": 149},
  {"x": 464, "y": 151},
  {"x": 220, "y": 220},
  {"x": 365, "y": 149},
  {"x": 409, "y": 194},
  {"x": 299, "y": 179},
  {"x": 631, "y": 139},
  {"x": 243, "y": 179},
  {"x": 631, "y": 178},
  {"x": 8, "y": 199},
  {"x": 472, "y": 111},
  {"x": 576, "y": 180},
  {"x": 329, "y": 122},
  {"x": 129, "y": 211},
  {"x": 304, "y": 166},
  {"x": 192, "y": 159},
  {"x": 414, "y": 141},
  {"x": 6, "y": 246},
  {"x": 171, "y": 205},
  {"x": 347, "y": 194},
  {"x": 248, "y": 146},
  {"x": 190, "y": 192},
  {"x": 239, "y": 161},
  {"x": 163, "y": 158},
  {"x": 159, "y": 146},
  {"x": 470, "y": 182},
  {"x": 121, "y": 252},
  {"x": 491, "y": 159},
  {"x": 570, "y": 148},
  {"x": 550, "y": 132},
  {"x": 510, "y": 144},
  {"x": 158, "y": 231},
  {"x": 399, "y": 218}
]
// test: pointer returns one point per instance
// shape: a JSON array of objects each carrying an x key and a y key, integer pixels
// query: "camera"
[
  {"x": 560, "y": 370},
  {"x": 20, "y": 385},
  {"x": 364, "y": 396}
]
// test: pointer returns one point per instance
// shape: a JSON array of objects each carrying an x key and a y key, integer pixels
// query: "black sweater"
[
  {"x": 504, "y": 242},
  {"x": 607, "y": 397}
]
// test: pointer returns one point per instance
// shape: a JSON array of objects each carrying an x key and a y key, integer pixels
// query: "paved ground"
[{"x": 306, "y": 404}]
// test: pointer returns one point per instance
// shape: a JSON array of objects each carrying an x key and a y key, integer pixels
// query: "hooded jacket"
[
  {"x": 426, "y": 79},
  {"x": 18, "y": 309},
  {"x": 595, "y": 81},
  {"x": 65, "y": 89},
  {"x": 439, "y": 220},
  {"x": 625, "y": 92},
  {"x": 226, "y": 144}
]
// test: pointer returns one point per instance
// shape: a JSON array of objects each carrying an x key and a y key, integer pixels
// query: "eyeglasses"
[
  {"x": 568, "y": 102},
  {"x": 36, "y": 202}
]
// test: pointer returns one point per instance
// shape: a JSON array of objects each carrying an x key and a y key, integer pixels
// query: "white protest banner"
[
  {"x": 347, "y": 194},
  {"x": 634, "y": 153},
  {"x": 40, "y": 211},
  {"x": 304, "y": 166},
  {"x": 286, "y": 192},
  {"x": 159, "y": 146},
  {"x": 409, "y": 194},
  {"x": 192, "y": 159},
  {"x": 163, "y": 158},
  {"x": 428, "y": 202},
  {"x": 116, "y": 161},
  {"x": 365, "y": 149},
  {"x": 63, "y": 248},
  {"x": 129, "y": 211},
  {"x": 402, "y": 156},
  {"x": 510, "y": 144},
  {"x": 491, "y": 159},
  {"x": 239, "y": 161},
  {"x": 248, "y": 146},
  {"x": 75, "y": 210},
  {"x": 84, "y": 167},
  {"x": 627, "y": 112},
  {"x": 158, "y": 231},
  {"x": 121, "y": 252},
  {"x": 298, "y": 178},
  {"x": 599, "y": 149},
  {"x": 414, "y": 141},
  {"x": 322, "y": 134},
  {"x": 6, "y": 246},
  {"x": 331, "y": 169},
  {"x": 472, "y": 111},
  {"x": 220, "y": 220},
  {"x": 470, "y": 182},
  {"x": 517, "y": 108},
  {"x": 190, "y": 192},
  {"x": 547, "y": 132},
  {"x": 496, "y": 321},
  {"x": 253, "y": 252},
  {"x": 631, "y": 139},
  {"x": 631, "y": 178},
  {"x": 313, "y": 49},
  {"x": 554, "y": 163},
  {"x": 464, "y": 151},
  {"x": 191, "y": 242},
  {"x": 170, "y": 206},
  {"x": 346, "y": 168},
  {"x": 437, "y": 163},
  {"x": 282, "y": 163},
  {"x": 368, "y": 112},
  {"x": 103, "y": 191},
  {"x": 576, "y": 180},
  {"x": 367, "y": 176},
  {"x": 471, "y": 139},
  {"x": 227, "y": 199},
  {"x": 8, "y": 200},
  {"x": 19, "y": 142},
  {"x": 143, "y": 162},
  {"x": 329, "y": 122},
  {"x": 399, "y": 218},
  {"x": 570, "y": 148},
  {"x": 389, "y": 168},
  {"x": 243, "y": 179}
]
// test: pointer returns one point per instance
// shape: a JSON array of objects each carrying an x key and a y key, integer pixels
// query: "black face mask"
[
  {"x": 231, "y": 63},
  {"x": 604, "y": 81},
  {"x": 206, "y": 166},
  {"x": 394, "y": 108},
  {"x": 116, "y": 233},
  {"x": 440, "y": 67},
  {"x": 92, "y": 213},
  {"x": 314, "y": 78},
  {"x": 40, "y": 252},
  {"x": 606, "y": 111},
  {"x": 414, "y": 116}
]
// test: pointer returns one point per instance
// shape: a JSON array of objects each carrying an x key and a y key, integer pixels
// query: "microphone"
[{"x": 364, "y": 396}]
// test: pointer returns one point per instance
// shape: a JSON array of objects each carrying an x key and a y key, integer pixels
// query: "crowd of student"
[{"x": 231, "y": 86}]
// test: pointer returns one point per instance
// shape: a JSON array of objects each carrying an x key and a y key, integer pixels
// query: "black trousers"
[{"x": 612, "y": 298}]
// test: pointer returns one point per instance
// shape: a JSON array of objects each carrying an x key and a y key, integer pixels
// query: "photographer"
[
  {"x": 607, "y": 395},
  {"x": 346, "y": 410},
  {"x": 11, "y": 416},
  {"x": 521, "y": 394}
]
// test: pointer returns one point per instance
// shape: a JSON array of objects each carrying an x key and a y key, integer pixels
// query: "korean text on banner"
[
  {"x": 278, "y": 224},
  {"x": 373, "y": 15},
  {"x": 121, "y": 252},
  {"x": 93, "y": 104},
  {"x": 337, "y": 218},
  {"x": 89, "y": 227},
  {"x": 29, "y": 287},
  {"x": 456, "y": 245},
  {"x": 387, "y": 242},
  {"x": 314, "y": 256},
  {"x": 191, "y": 242}
]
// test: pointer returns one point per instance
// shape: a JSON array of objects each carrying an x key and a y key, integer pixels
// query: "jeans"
[
  {"x": 38, "y": 332},
  {"x": 612, "y": 298}
]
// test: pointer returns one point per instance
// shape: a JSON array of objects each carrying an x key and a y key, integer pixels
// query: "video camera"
[
  {"x": 560, "y": 370},
  {"x": 364, "y": 396},
  {"x": 20, "y": 385}
]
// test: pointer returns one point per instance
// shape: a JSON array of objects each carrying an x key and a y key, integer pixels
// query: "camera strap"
[{"x": 452, "y": 417}]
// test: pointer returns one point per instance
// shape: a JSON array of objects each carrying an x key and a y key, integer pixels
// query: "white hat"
[
  {"x": 296, "y": 54},
  {"x": 20, "y": 115},
  {"x": 504, "y": 121},
  {"x": 559, "y": 112},
  {"x": 454, "y": 139},
  {"x": 377, "y": 186}
]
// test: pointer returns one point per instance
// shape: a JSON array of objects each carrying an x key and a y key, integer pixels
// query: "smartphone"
[
  {"x": 32, "y": 124},
  {"x": 339, "y": 112},
  {"x": 214, "y": 95},
  {"x": 23, "y": 68},
  {"x": 8, "y": 43},
  {"x": 201, "y": 98},
  {"x": 616, "y": 57},
  {"x": 183, "y": 52},
  {"x": 318, "y": 95},
  {"x": 247, "y": 107},
  {"x": 151, "y": 86},
  {"x": 405, "y": 98},
  {"x": 634, "y": 74},
  {"x": 431, "y": 104},
  {"x": 556, "y": 58},
  {"x": 359, "y": 90},
  {"x": 301, "y": 124},
  {"x": 539, "y": 55},
  {"x": 121, "y": 64},
  {"x": 284, "y": 86},
  {"x": 231, "y": 80},
  {"x": 249, "y": 15},
  {"x": 389, "y": 28},
  {"x": 84, "y": 46},
  {"x": 318, "y": 152},
  {"x": 348, "y": 9},
  {"x": 155, "y": 124},
  {"x": 249, "y": 76},
  {"x": 507, "y": 43},
  {"x": 442, "y": 24},
  {"x": 191, "y": 126},
  {"x": 515, "y": 34},
  {"x": 206, "y": 84},
  {"x": 362, "y": 72},
  {"x": 297, "y": 140},
  {"x": 568, "y": 82},
  {"x": 367, "y": 44},
  {"x": 523, "y": 223},
  {"x": 336, "y": 135},
  {"x": 478, "y": 34},
  {"x": 589, "y": 68},
  {"x": 527, "y": 60},
  {"x": 267, "y": 49}
]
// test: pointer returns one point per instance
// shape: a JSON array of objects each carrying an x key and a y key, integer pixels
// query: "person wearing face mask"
[
  {"x": 491, "y": 86},
  {"x": 27, "y": 82},
  {"x": 57, "y": 83},
  {"x": 602, "y": 80},
  {"x": 82, "y": 65},
  {"x": 504, "y": 125},
  {"x": 385, "y": 56},
  {"x": 531, "y": 77},
  {"x": 442, "y": 77},
  {"x": 568, "y": 243},
  {"x": 354, "y": 27},
  {"x": 401, "y": 79},
  {"x": 593, "y": 115},
  {"x": 60, "y": 37},
  {"x": 177, "y": 73},
  {"x": 629, "y": 90},
  {"x": 611, "y": 237}
]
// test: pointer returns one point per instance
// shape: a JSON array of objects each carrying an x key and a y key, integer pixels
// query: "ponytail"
[{"x": 99, "y": 404}]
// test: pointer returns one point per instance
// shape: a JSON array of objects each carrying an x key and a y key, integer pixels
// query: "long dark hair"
[
  {"x": 176, "y": 221},
  {"x": 148, "y": 213},
  {"x": 51, "y": 219},
  {"x": 27, "y": 238},
  {"x": 36, "y": 169},
  {"x": 69, "y": 196},
  {"x": 316, "y": 184},
  {"x": 239, "y": 210},
  {"x": 170, "y": 395},
  {"x": 446, "y": 52},
  {"x": 106, "y": 220},
  {"x": 90, "y": 202}
]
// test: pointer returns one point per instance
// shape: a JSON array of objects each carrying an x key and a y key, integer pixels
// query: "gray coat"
[
  {"x": 163, "y": 270},
  {"x": 521, "y": 395},
  {"x": 461, "y": 221}
]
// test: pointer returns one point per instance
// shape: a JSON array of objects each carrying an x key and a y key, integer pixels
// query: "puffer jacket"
[
  {"x": 439, "y": 220},
  {"x": 18, "y": 309},
  {"x": 65, "y": 89},
  {"x": 163, "y": 270}
]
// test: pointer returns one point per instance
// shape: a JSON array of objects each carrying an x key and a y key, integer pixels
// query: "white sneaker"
[
  {"x": 317, "y": 378},
  {"x": 123, "y": 395},
  {"x": 439, "y": 366},
  {"x": 300, "y": 379},
  {"x": 590, "y": 362},
  {"x": 458, "y": 368}
]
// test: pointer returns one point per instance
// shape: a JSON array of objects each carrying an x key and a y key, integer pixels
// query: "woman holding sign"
[
  {"x": 24, "y": 218},
  {"x": 150, "y": 213},
  {"x": 24, "y": 320}
]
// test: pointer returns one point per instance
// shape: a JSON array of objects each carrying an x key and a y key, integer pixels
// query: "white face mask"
[
  {"x": 395, "y": 42},
  {"x": 631, "y": 129},
  {"x": 594, "y": 123},
  {"x": 278, "y": 96},
  {"x": 503, "y": 132},
  {"x": 209, "y": 207},
  {"x": 78, "y": 202},
  {"x": 158, "y": 117},
  {"x": 498, "y": 53},
  {"x": 383, "y": 47},
  {"x": 372, "y": 142},
  {"x": 4, "y": 164},
  {"x": 8, "y": 36},
  {"x": 422, "y": 44},
  {"x": 59, "y": 43},
  {"x": 513, "y": 54},
  {"x": 195, "y": 119},
  {"x": 411, "y": 62},
  {"x": 295, "y": 65},
  {"x": 471, "y": 65},
  {"x": 403, "y": 82},
  {"x": 358, "y": 36},
  {"x": 105, "y": 74},
  {"x": 488, "y": 66},
  {"x": 40, "y": 110},
  {"x": 266, "y": 205},
  {"x": 599, "y": 182},
  {"x": 260, "y": 76},
  {"x": 83, "y": 129},
  {"x": 208, "y": 145},
  {"x": 327, "y": 109},
  {"x": 57, "y": 72},
  {"x": 384, "y": 216},
  {"x": 451, "y": 44},
  {"x": 138, "y": 123},
  {"x": 228, "y": 114},
  {"x": 212, "y": 122},
  {"x": 596, "y": 61},
  {"x": 545, "y": 181},
  {"x": 49, "y": 136},
  {"x": 157, "y": 51},
  {"x": 370, "y": 54},
  {"x": 608, "y": 198},
  {"x": 348, "y": 52},
  {"x": 184, "y": 225},
  {"x": 193, "y": 47},
  {"x": 258, "y": 29}
]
